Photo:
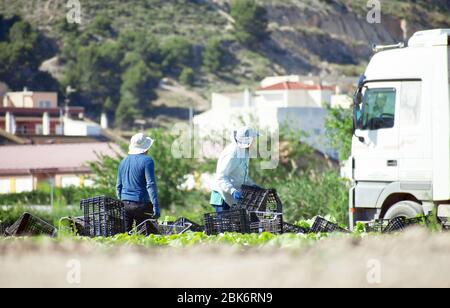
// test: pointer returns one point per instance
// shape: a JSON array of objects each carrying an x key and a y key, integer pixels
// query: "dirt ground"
[{"x": 413, "y": 259}]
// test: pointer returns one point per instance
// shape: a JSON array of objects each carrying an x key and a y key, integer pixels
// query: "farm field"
[{"x": 416, "y": 258}]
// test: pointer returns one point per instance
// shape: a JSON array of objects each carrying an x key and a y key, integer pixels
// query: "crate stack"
[
  {"x": 103, "y": 216},
  {"x": 259, "y": 210},
  {"x": 236, "y": 220}
]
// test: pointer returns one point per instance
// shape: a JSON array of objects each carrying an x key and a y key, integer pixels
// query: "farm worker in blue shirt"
[
  {"x": 136, "y": 183},
  {"x": 233, "y": 170}
]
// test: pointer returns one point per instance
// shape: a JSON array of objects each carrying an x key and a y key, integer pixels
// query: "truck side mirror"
[{"x": 357, "y": 101}]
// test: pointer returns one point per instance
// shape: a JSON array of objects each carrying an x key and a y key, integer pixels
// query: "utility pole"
[{"x": 69, "y": 90}]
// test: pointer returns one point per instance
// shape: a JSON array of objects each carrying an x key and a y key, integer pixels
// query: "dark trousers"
[
  {"x": 222, "y": 208},
  {"x": 137, "y": 213}
]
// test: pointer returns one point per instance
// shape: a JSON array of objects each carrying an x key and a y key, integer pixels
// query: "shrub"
[
  {"x": 187, "y": 76},
  {"x": 177, "y": 52},
  {"x": 251, "y": 22},
  {"x": 213, "y": 56}
]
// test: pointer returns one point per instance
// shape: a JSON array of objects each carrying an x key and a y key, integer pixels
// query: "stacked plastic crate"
[
  {"x": 259, "y": 210},
  {"x": 103, "y": 216}
]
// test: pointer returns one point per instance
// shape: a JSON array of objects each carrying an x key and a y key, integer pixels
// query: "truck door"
[{"x": 377, "y": 158}]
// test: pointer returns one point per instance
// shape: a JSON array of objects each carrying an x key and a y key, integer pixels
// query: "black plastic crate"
[
  {"x": 176, "y": 227},
  {"x": 377, "y": 226},
  {"x": 103, "y": 216},
  {"x": 266, "y": 222},
  {"x": 194, "y": 226},
  {"x": 3, "y": 228},
  {"x": 321, "y": 225},
  {"x": 227, "y": 221},
  {"x": 146, "y": 228},
  {"x": 290, "y": 228},
  {"x": 400, "y": 223},
  {"x": 422, "y": 220},
  {"x": 395, "y": 225},
  {"x": 29, "y": 225},
  {"x": 256, "y": 199}
]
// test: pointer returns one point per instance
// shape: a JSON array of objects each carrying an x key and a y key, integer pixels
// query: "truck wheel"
[{"x": 406, "y": 209}]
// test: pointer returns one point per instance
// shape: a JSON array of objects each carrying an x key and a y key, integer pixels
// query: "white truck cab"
[{"x": 401, "y": 143}]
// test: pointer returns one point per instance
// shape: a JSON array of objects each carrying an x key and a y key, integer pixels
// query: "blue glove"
[
  {"x": 237, "y": 195},
  {"x": 156, "y": 212}
]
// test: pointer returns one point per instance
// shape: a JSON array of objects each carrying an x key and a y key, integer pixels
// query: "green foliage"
[
  {"x": 122, "y": 70},
  {"x": 101, "y": 26},
  {"x": 42, "y": 196},
  {"x": 136, "y": 93},
  {"x": 21, "y": 53},
  {"x": 339, "y": 125},
  {"x": 187, "y": 76},
  {"x": 308, "y": 194},
  {"x": 213, "y": 56},
  {"x": 142, "y": 43},
  {"x": 177, "y": 52},
  {"x": 95, "y": 72},
  {"x": 233, "y": 239},
  {"x": 251, "y": 22}
]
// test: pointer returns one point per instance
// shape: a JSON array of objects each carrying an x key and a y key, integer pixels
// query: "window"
[
  {"x": 39, "y": 129},
  {"x": 24, "y": 185},
  {"x": 70, "y": 181},
  {"x": 5, "y": 186},
  {"x": 21, "y": 129},
  {"x": 59, "y": 129},
  {"x": 379, "y": 109},
  {"x": 45, "y": 104},
  {"x": 410, "y": 104}
]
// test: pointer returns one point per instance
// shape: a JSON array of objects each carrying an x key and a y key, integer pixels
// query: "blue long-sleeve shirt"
[{"x": 136, "y": 180}]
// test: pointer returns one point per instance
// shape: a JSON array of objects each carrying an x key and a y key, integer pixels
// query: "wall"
[
  {"x": 30, "y": 99},
  {"x": 80, "y": 128},
  {"x": 16, "y": 184},
  {"x": 270, "y": 99},
  {"x": 311, "y": 121},
  {"x": 342, "y": 101},
  {"x": 227, "y": 101},
  {"x": 294, "y": 98},
  {"x": 50, "y": 97},
  {"x": 28, "y": 126}
]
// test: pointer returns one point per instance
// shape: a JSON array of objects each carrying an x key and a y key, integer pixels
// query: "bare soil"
[{"x": 413, "y": 259}]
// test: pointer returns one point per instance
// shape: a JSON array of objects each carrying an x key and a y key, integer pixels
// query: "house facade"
[
  {"x": 29, "y": 113},
  {"x": 24, "y": 168}
]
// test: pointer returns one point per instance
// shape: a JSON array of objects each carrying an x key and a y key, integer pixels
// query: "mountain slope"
[{"x": 314, "y": 36}]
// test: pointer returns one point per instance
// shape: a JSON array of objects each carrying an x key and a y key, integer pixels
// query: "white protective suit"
[{"x": 232, "y": 172}]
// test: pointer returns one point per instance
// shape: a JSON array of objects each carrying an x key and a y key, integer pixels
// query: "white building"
[
  {"x": 294, "y": 94},
  {"x": 279, "y": 102},
  {"x": 29, "y": 113}
]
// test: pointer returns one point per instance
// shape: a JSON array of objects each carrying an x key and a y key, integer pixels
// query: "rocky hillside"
[{"x": 306, "y": 36}]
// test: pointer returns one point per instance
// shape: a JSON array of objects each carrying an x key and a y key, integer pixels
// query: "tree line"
[{"x": 113, "y": 71}]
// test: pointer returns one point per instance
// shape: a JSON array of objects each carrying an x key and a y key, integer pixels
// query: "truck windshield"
[{"x": 379, "y": 109}]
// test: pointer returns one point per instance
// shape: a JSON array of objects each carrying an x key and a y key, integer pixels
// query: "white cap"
[
  {"x": 140, "y": 144},
  {"x": 244, "y": 136}
]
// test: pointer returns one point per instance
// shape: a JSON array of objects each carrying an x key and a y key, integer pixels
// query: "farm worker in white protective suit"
[{"x": 233, "y": 170}]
